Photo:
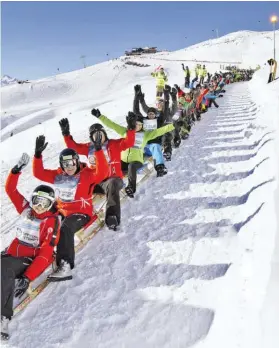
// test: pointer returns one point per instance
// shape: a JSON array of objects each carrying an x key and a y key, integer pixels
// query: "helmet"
[
  {"x": 95, "y": 128},
  {"x": 69, "y": 154},
  {"x": 43, "y": 195}
]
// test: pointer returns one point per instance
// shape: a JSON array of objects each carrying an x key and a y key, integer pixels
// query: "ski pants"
[
  {"x": 66, "y": 245},
  {"x": 11, "y": 268},
  {"x": 212, "y": 101},
  {"x": 159, "y": 91},
  {"x": 155, "y": 150},
  {"x": 131, "y": 168},
  {"x": 201, "y": 79},
  {"x": 111, "y": 188},
  {"x": 187, "y": 81},
  {"x": 167, "y": 139}
]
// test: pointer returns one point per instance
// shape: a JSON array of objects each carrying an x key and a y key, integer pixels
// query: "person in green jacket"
[
  {"x": 161, "y": 79},
  {"x": 132, "y": 159}
]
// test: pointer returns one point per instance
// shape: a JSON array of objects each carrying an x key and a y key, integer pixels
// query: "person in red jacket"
[
  {"x": 113, "y": 183},
  {"x": 31, "y": 252},
  {"x": 74, "y": 182}
]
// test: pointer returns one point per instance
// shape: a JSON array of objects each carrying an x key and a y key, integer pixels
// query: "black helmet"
[
  {"x": 95, "y": 128},
  {"x": 43, "y": 195},
  {"x": 69, "y": 154}
]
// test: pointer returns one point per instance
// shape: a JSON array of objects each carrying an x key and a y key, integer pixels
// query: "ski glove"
[
  {"x": 138, "y": 92},
  {"x": 168, "y": 88},
  {"x": 65, "y": 126},
  {"x": 178, "y": 124},
  {"x": 96, "y": 112},
  {"x": 40, "y": 145},
  {"x": 22, "y": 163},
  {"x": 131, "y": 121},
  {"x": 97, "y": 140},
  {"x": 22, "y": 286}
]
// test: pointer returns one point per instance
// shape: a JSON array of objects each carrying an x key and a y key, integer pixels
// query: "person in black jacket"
[{"x": 156, "y": 118}]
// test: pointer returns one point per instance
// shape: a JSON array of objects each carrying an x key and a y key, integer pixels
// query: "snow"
[
  {"x": 7, "y": 80},
  {"x": 195, "y": 263}
]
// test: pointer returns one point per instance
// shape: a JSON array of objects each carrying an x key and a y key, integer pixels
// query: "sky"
[{"x": 40, "y": 37}]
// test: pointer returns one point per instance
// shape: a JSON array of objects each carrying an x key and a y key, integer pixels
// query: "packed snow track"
[{"x": 179, "y": 266}]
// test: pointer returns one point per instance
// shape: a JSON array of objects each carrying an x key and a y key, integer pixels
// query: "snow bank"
[{"x": 248, "y": 308}]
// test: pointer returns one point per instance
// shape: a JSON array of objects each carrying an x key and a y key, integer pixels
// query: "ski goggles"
[
  {"x": 69, "y": 163},
  {"x": 43, "y": 202}
]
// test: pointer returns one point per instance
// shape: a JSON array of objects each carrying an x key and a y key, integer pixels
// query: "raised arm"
[
  {"x": 81, "y": 149},
  {"x": 116, "y": 127},
  {"x": 159, "y": 131},
  {"x": 47, "y": 175}
]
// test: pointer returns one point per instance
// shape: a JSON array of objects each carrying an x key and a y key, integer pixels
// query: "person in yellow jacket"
[
  {"x": 197, "y": 70},
  {"x": 202, "y": 74},
  {"x": 161, "y": 79}
]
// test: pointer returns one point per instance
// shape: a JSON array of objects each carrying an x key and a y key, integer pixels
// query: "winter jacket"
[
  {"x": 210, "y": 95},
  {"x": 161, "y": 119},
  {"x": 161, "y": 78},
  {"x": 203, "y": 72},
  {"x": 112, "y": 150},
  {"x": 186, "y": 72},
  {"x": 74, "y": 191},
  {"x": 135, "y": 153},
  {"x": 37, "y": 233}
]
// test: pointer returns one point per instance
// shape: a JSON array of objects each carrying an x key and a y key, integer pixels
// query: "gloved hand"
[
  {"x": 22, "y": 163},
  {"x": 220, "y": 96},
  {"x": 131, "y": 120},
  {"x": 138, "y": 92},
  {"x": 177, "y": 87},
  {"x": 173, "y": 93},
  {"x": 22, "y": 286},
  {"x": 96, "y": 112},
  {"x": 168, "y": 88},
  {"x": 97, "y": 140},
  {"x": 178, "y": 123},
  {"x": 65, "y": 126},
  {"x": 40, "y": 145}
]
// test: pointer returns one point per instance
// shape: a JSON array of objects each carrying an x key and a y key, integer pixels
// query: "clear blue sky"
[{"x": 39, "y": 37}]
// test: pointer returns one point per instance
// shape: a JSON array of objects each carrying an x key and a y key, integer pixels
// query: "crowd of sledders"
[{"x": 54, "y": 214}]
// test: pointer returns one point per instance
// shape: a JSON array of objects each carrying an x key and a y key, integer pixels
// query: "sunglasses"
[
  {"x": 69, "y": 164},
  {"x": 44, "y": 202}
]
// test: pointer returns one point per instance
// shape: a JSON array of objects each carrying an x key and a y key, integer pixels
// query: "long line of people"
[{"x": 50, "y": 219}]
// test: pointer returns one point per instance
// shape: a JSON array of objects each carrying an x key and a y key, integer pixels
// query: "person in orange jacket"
[
  {"x": 31, "y": 252},
  {"x": 113, "y": 183},
  {"x": 74, "y": 182}
]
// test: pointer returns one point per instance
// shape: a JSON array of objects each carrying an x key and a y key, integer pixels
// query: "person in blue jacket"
[{"x": 210, "y": 96}]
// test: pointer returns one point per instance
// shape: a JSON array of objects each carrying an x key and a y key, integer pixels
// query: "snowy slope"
[{"x": 192, "y": 264}]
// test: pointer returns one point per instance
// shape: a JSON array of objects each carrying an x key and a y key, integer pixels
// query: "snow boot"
[
  {"x": 129, "y": 191},
  {"x": 184, "y": 136},
  {"x": 4, "y": 328},
  {"x": 62, "y": 273},
  {"x": 176, "y": 142},
  {"x": 112, "y": 222},
  {"x": 161, "y": 170},
  {"x": 167, "y": 156}
]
